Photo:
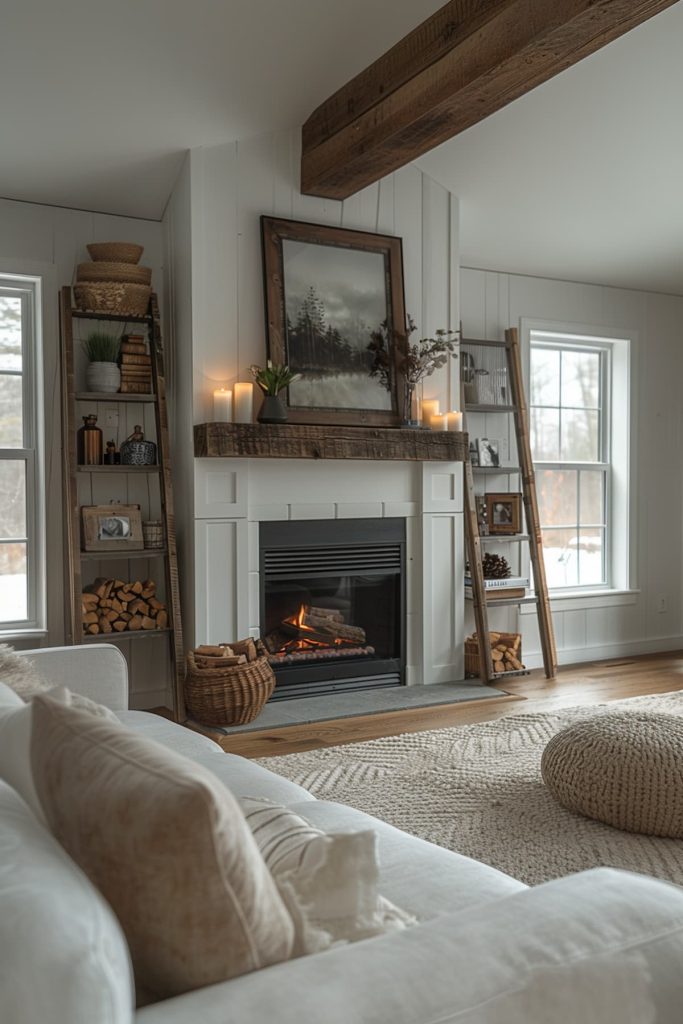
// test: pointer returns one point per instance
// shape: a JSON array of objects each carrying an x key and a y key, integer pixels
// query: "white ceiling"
[
  {"x": 99, "y": 100},
  {"x": 581, "y": 179}
]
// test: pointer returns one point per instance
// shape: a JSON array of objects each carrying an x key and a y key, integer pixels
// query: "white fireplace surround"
[{"x": 232, "y": 496}]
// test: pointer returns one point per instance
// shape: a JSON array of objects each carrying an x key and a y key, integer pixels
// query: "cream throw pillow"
[
  {"x": 15, "y": 739},
  {"x": 166, "y": 844},
  {"x": 328, "y": 880}
]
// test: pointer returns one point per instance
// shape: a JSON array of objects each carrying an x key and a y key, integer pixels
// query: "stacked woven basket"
[
  {"x": 228, "y": 684},
  {"x": 113, "y": 282}
]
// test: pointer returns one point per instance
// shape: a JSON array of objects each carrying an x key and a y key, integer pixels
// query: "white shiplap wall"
[
  {"x": 234, "y": 184},
  {"x": 490, "y": 302},
  {"x": 49, "y": 242}
]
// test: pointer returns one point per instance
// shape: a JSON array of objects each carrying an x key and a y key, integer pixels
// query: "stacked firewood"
[
  {"x": 505, "y": 651},
  {"x": 225, "y": 655},
  {"x": 113, "y": 606}
]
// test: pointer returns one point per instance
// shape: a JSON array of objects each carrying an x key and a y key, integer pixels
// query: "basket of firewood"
[
  {"x": 228, "y": 684},
  {"x": 506, "y": 653}
]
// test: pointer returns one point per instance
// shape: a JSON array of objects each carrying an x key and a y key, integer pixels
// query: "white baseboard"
[{"x": 606, "y": 652}]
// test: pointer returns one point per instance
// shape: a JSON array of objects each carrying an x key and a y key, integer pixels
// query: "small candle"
[
  {"x": 438, "y": 422},
  {"x": 455, "y": 421},
  {"x": 222, "y": 405},
  {"x": 430, "y": 407},
  {"x": 244, "y": 403}
]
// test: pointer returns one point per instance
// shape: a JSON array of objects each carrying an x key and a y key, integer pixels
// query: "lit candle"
[
  {"x": 438, "y": 422},
  {"x": 430, "y": 407},
  {"x": 222, "y": 406},
  {"x": 455, "y": 421},
  {"x": 244, "y": 403}
]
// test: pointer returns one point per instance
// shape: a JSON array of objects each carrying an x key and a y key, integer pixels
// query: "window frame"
[
  {"x": 621, "y": 413},
  {"x": 565, "y": 342},
  {"x": 29, "y": 290}
]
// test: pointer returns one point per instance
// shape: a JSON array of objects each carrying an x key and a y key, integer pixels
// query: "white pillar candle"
[
  {"x": 244, "y": 403},
  {"x": 430, "y": 407},
  {"x": 455, "y": 421},
  {"x": 438, "y": 422},
  {"x": 222, "y": 405}
]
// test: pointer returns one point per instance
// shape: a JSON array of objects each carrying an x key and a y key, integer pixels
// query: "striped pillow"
[{"x": 328, "y": 880}]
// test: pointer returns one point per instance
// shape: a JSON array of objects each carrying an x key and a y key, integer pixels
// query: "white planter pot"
[{"x": 103, "y": 377}]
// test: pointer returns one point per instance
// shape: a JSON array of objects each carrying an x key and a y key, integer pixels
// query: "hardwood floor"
[{"x": 590, "y": 683}]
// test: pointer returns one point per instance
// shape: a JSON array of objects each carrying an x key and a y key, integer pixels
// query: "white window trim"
[
  {"x": 623, "y": 585},
  {"x": 33, "y": 453}
]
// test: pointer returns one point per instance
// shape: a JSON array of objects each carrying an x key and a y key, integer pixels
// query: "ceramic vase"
[
  {"x": 272, "y": 410},
  {"x": 103, "y": 377}
]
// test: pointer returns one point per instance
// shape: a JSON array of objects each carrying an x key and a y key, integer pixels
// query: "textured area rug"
[{"x": 477, "y": 789}]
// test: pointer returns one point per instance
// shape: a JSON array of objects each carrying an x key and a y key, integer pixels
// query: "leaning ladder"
[{"x": 518, "y": 409}]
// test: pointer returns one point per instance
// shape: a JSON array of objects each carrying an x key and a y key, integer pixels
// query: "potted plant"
[
  {"x": 103, "y": 373},
  {"x": 272, "y": 380}
]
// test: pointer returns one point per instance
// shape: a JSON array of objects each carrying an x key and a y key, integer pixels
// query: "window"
[
  {"x": 21, "y": 520},
  {"x": 570, "y": 442}
]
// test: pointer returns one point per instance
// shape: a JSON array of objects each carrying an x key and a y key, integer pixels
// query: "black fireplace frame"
[{"x": 346, "y": 674}]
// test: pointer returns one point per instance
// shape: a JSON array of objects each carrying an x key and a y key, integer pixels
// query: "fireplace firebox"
[{"x": 332, "y": 602}]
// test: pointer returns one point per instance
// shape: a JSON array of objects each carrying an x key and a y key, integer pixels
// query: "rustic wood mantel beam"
[{"x": 469, "y": 59}]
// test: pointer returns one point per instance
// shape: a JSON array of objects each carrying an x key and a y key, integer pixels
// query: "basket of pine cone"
[{"x": 228, "y": 684}]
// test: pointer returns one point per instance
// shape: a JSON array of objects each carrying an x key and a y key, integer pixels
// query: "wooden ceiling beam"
[{"x": 468, "y": 60}]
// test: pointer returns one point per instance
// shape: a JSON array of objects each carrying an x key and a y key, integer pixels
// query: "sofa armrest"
[
  {"x": 600, "y": 947},
  {"x": 98, "y": 671}
]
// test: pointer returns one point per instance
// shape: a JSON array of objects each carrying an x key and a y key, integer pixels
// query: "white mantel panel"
[
  {"x": 300, "y": 482},
  {"x": 220, "y": 490},
  {"x": 442, "y": 487},
  {"x": 443, "y": 599},
  {"x": 222, "y": 573}
]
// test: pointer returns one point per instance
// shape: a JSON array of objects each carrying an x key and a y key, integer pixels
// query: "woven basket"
[
  {"x": 128, "y": 273},
  {"x": 472, "y": 667},
  {"x": 110, "y": 297},
  {"x": 153, "y": 533},
  {"x": 115, "y": 252},
  {"x": 228, "y": 695}
]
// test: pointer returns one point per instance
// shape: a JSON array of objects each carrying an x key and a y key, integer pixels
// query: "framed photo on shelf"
[
  {"x": 112, "y": 528},
  {"x": 504, "y": 513},
  {"x": 328, "y": 291},
  {"x": 474, "y": 453},
  {"x": 489, "y": 452}
]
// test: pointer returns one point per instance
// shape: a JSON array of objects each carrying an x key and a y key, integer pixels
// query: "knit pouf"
[{"x": 624, "y": 768}]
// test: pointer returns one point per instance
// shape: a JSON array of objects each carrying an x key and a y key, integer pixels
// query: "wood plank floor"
[{"x": 588, "y": 683}]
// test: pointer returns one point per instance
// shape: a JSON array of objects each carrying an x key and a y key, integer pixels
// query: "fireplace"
[{"x": 332, "y": 603}]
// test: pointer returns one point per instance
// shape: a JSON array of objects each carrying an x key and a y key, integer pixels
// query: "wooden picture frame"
[
  {"x": 504, "y": 513},
  {"x": 326, "y": 290},
  {"x": 112, "y": 528}
]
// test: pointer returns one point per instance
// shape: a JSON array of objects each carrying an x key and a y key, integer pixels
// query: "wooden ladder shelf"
[
  {"x": 79, "y": 562},
  {"x": 517, "y": 408}
]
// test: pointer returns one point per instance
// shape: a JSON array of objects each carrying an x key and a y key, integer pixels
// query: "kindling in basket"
[{"x": 228, "y": 684}]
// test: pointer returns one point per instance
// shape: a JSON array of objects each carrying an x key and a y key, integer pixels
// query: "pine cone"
[{"x": 495, "y": 567}]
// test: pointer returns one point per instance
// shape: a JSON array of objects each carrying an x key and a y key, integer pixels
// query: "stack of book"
[
  {"x": 511, "y": 587},
  {"x": 136, "y": 365}
]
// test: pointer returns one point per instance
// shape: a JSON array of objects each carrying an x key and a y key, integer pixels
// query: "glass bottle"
[{"x": 89, "y": 442}]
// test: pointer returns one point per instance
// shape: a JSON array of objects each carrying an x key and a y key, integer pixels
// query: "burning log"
[{"x": 332, "y": 628}]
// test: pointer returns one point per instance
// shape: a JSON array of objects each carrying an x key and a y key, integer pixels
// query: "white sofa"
[{"x": 601, "y": 946}]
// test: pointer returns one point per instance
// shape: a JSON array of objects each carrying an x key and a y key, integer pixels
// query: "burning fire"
[{"x": 299, "y": 620}]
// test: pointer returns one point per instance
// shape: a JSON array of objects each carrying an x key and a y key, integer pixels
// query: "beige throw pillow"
[
  {"x": 328, "y": 879},
  {"x": 166, "y": 844}
]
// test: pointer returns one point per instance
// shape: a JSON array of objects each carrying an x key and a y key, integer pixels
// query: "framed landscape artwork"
[{"x": 327, "y": 291}]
